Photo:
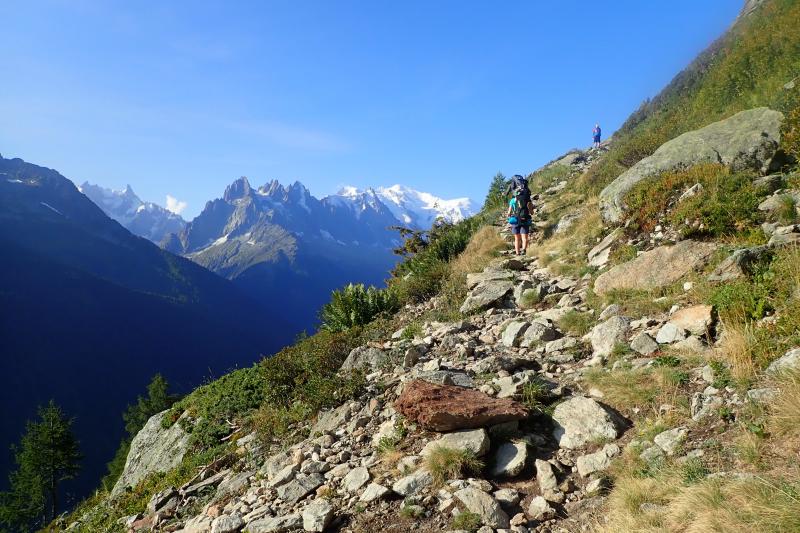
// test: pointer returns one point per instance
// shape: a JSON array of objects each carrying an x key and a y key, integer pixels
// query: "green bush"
[{"x": 356, "y": 305}]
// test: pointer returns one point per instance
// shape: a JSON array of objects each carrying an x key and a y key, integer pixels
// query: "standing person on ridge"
[
  {"x": 596, "y": 132},
  {"x": 519, "y": 213}
]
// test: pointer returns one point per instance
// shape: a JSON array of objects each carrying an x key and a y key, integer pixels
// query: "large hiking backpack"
[{"x": 521, "y": 212}]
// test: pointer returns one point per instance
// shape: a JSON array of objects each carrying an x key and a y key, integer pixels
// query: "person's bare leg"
[
  {"x": 525, "y": 243},
  {"x": 517, "y": 239}
]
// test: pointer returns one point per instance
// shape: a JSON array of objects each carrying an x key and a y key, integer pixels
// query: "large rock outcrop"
[
  {"x": 448, "y": 407},
  {"x": 153, "y": 449},
  {"x": 747, "y": 140},
  {"x": 657, "y": 268}
]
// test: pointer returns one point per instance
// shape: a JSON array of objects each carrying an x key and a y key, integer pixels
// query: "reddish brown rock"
[{"x": 448, "y": 407}]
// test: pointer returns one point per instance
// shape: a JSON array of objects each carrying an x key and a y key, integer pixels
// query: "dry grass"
[
  {"x": 447, "y": 463},
  {"x": 572, "y": 246},
  {"x": 644, "y": 388},
  {"x": 784, "y": 416},
  {"x": 737, "y": 349},
  {"x": 482, "y": 248}
]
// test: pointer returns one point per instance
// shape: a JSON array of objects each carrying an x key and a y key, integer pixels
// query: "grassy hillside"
[{"x": 748, "y": 67}]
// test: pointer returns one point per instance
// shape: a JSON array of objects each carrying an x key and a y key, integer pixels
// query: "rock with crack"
[
  {"x": 747, "y": 140},
  {"x": 581, "y": 420},
  {"x": 299, "y": 487},
  {"x": 446, "y": 407},
  {"x": 373, "y": 492},
  {"x": 657, "y": 268},
  {"x": 483, "y": 504},
  {"x": 153, "y": 449},
  {"x": 512, "y": 334}
]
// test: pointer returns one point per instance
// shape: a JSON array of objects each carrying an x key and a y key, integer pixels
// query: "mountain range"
[{"x": 281, "y": 245}]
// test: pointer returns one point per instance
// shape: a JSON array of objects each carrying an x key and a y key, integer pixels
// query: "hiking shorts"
[
  {"x": 596, "y": 138},
  {"x": 519, "y": 229}
]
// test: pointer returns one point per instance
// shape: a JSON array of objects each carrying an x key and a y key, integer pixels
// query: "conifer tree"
[
  {"x": 496, "y": 190},
  {"x": 46, "y": 455}
]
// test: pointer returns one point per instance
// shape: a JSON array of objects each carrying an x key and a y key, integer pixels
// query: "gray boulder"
[
  {"x": 657, "y": 268},
  {"x": 474, "y": 440},
  {"x": 606, "y": 335},
  {"x": 510, "y": 459},
  {"x": 599, "y": 255},
  {"x": 739, "y": 264},
  {"x": 153, "y": 449},
  {"x": 317, "y": 515},
  {"x": 513, "y": 332},
  {"x": 581, "y": 420},
  {"x": 644, "y": 344},
  {"x": 365, "y": 357},
  {"x": 483, "y": 504},
  {"x": 747, "y": 140},
  {"x": 277, "y": 524}
]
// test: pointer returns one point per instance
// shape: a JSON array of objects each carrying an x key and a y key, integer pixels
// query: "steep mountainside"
[
  {"x": 146, "y": 219},
  {"x": 91, "y": 312}
]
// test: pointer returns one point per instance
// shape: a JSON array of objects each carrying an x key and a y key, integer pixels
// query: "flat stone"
[
  {"x": 365, "y": 357},
  {"x": 599, "y": 255},
  {"x": 413, "y": 483},
  {"x": 446, "y": 407},
  {"x": 474, "y": 440},
  {"x": 538, "y": 331},
  {"x": 474, "y": 279},
  {"x": 485, "y": 295},
  {"x": 355, "y": 479},
  {"x": 373, "y": 492},
  {"x": 300, "y": 487},
  {"x": 507, "y": 497}
]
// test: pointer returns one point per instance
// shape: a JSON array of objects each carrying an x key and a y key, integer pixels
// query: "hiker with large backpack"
[{"x": 520, "y": 211}]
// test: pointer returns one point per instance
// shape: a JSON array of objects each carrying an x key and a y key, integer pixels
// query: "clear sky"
[{"x": 181, "y": 97}]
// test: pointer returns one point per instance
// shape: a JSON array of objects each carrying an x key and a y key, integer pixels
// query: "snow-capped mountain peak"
[
  {"x": 411, "y": 207},
  {"x": 145, "y": 219}
]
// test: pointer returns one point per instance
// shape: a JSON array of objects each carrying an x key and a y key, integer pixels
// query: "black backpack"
[
  {"x": 521, "y": 212},
  {"x": 519, "y": 183}
]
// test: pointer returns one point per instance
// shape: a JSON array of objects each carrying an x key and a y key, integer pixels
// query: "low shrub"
[
  {"x": 357, "y": 305},
  {"x": 466, "y": 521}
]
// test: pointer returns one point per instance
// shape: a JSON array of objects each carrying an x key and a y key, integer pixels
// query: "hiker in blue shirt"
[
  {"x": 519, "y": 213},
  {"x": 596, "y": 132}
]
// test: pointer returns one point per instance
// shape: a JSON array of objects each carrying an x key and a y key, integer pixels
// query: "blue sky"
[{"x": 182, "y": 97}]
